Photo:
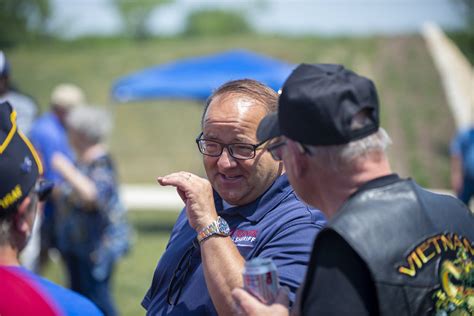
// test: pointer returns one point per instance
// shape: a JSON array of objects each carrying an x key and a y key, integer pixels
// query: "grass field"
[
  {"x": 157, "y": 137},
  {"x": 135, "y": 271}
]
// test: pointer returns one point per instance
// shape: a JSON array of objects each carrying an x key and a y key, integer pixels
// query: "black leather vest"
[{"x": 418, "y": 246}]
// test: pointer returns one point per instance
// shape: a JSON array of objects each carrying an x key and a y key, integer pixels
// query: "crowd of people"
[
  {"x": 83, "y": 218},
  {"x": 301, "y": 177}
]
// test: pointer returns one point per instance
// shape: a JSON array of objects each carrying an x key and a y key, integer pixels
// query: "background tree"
[
  {"x": 216, "y": 22},
  {"x": 468, "y": 7},
  {"x": 135, "y": 14},
  {"x": 465, "y": 39},
  {"x": 22, "y": 20}
]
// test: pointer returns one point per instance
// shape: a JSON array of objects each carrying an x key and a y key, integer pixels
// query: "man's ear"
[
  {"x": 298, "y": 161},
  {"x": 21, "y": 217}
]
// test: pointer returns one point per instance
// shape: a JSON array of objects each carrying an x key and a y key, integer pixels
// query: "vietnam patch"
[{"x": 455, "y": 295}]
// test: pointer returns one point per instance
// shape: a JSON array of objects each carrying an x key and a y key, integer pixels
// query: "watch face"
[{"x": 223, "y": 227}]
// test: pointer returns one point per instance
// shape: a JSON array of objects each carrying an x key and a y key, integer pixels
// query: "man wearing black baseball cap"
[
  {"x": 390, "y": 247},
  {"x": 20, "y": 192}
]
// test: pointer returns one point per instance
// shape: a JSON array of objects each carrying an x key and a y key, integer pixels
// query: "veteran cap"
[
  {"x": 20, "y": 165},
  {"x": 317, "y": 106}
]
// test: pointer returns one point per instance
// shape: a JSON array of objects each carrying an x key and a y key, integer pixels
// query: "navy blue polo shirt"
[{"x": 277, "y": 225}]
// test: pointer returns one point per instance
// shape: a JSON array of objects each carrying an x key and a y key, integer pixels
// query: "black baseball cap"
[
  {"x": 317, "y": 105},
  {"x": 20, "y": 166}
]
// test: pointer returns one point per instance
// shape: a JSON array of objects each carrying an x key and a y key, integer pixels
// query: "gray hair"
[
  {"x": 6, "y": 224},
  {"x": 92, "y": 122},
  {"x": 7, "y": 221},
  {"x": 338, "y": 156}
]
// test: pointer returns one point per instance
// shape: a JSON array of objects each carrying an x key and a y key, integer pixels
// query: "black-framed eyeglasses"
[
  {"x": 276, "y": 149},
  {"x": 43, "y": 188},
  {"x": 242, "y": 151},
  {"x": 180, "y": 274}
]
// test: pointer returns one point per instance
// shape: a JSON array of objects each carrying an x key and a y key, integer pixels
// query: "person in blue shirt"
[
  {"x": 48, "y": 135},
  {"x": 245, "y": 209},
  {"x": 462, "y": 164},
  {"x": 21, "y": 191}
]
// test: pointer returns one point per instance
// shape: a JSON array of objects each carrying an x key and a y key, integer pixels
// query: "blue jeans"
[{"x": 83, "y": 281}]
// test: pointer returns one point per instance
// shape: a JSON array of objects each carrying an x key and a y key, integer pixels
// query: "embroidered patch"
[
  {"x": 244, "y": 238},
  {"x": 11, "y": 197},
  {"x": 26, "y": 165},
  {"x": 455, "y": 295},
  {"x": 430, "y": 249}
]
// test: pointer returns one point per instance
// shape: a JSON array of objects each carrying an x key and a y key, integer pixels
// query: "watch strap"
[{"x": 211, "y": 229}]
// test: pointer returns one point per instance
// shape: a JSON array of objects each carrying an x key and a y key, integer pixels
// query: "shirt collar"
[{"x": 255, "y": 210}]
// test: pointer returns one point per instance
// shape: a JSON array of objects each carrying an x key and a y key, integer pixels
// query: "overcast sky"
[{"x": 72, "y": 18}]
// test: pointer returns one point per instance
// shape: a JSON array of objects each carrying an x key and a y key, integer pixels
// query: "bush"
[
  {"x": 22, "y": 20},
  {"x": 215, "y": 23}
]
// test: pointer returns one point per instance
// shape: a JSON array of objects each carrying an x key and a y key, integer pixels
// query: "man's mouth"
[{"x": 228, "y": 178}]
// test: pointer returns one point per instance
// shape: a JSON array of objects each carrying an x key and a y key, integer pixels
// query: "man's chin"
[
  {"x": 231, "y": 198},
  {"x": 232, "y": 195}
]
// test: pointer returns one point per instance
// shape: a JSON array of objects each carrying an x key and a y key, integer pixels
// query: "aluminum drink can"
[{"x": 261, "y": 279}]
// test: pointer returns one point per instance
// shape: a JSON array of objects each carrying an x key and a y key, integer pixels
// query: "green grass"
[
  {"x": 157, "y": 137},
  {"x": 135, "y": 272}
]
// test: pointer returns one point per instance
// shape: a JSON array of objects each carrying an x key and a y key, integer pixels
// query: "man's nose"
[{"x": 225, "y": 160}]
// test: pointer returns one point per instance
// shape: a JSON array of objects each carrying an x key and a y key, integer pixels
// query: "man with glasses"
[
  {"x": 245, "y": 209},
  {"x": 390, "y": 247},
  {"x": 20, "y": 194}
]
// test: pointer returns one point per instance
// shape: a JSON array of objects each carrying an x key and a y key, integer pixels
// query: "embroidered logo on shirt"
[{"x": 244, "y": 238}]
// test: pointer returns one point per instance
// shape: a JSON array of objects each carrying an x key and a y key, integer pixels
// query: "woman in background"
[{"x": 93, "y": 232}]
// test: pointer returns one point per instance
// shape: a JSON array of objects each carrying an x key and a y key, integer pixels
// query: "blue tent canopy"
[{"x": 196, "y": 78}]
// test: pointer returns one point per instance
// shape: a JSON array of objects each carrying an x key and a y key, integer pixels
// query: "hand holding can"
[{"x": 261, "y": 279}]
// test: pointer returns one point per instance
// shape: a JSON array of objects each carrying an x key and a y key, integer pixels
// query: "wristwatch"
[{"x": 217, "y": 227}]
